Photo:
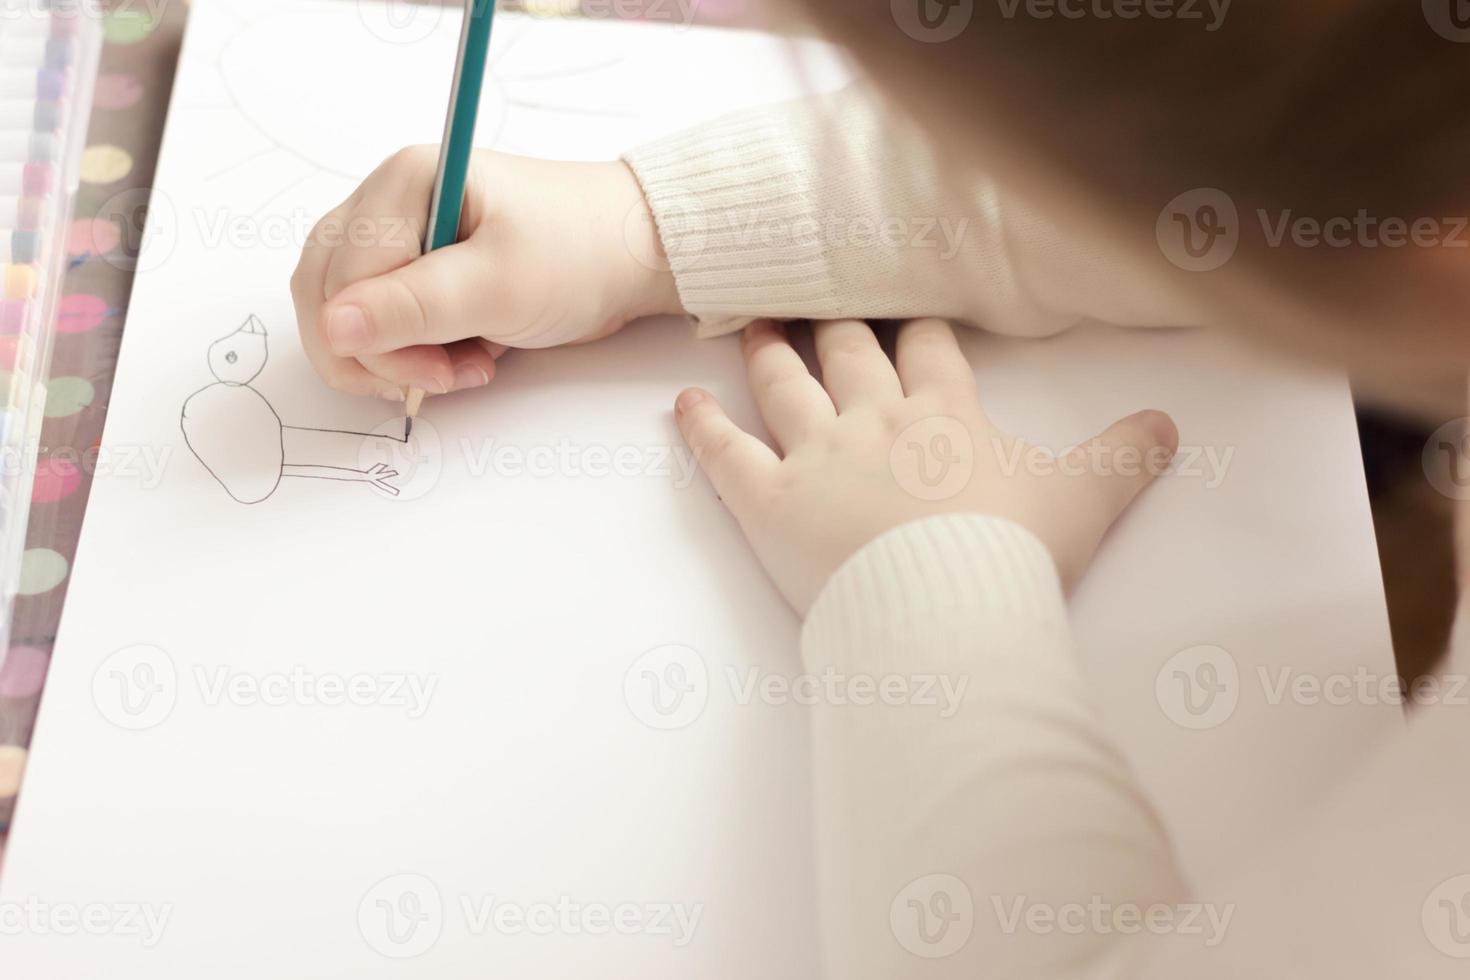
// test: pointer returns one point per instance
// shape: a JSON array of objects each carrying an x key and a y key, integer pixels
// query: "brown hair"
[{"x": 1313, "y": 109}]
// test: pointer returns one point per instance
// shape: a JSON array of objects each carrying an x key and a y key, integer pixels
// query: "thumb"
[
  {"x": 1126, "y": 457},
  {"x": 435, "y": 299}
]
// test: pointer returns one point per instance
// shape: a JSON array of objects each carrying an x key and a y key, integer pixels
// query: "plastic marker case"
[{"x": 48, "y": 65}]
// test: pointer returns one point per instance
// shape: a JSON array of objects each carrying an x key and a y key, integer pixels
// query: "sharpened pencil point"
[{"x": 407, "y": 428}]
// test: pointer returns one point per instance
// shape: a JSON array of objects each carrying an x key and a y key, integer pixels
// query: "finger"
[
  {"x": 930, "y": 360},
  {"x": 736, "y": 462},
  {"x": 791, "y": 401},
  {"x": 426, "y": 367},
  {"x": 855, "y": 371},
  {"x": 453, "y": 367},
  {"x": 343, "y": 374},
  {"x": 473, "y": 362},
  {"x": 424, "y": 302},
  {"x": 381, "y": 228},
  {"x": 1127, "y": 457}
]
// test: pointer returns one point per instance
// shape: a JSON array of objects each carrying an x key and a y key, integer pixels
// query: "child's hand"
[
  {"x": 881, "y": 447},
  {"x": 552, "y": 253}
]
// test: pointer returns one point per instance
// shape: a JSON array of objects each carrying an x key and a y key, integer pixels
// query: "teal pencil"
[{"x": 455, "y": 152}]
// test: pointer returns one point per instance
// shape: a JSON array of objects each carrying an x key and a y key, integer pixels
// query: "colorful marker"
[
  {"x": 24, "y": 213},
  {"x": 46, "y": 84},
  {"x": 38, "y": 50},
  {"x": 20, "y": 245},
  {"x": 18, "y": 146},
  {"x": 42, "y": 117},
  {"x": 27, "y": 179}
]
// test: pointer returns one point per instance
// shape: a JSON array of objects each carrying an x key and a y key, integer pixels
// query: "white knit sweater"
[{"x": 1008, "y": 839}]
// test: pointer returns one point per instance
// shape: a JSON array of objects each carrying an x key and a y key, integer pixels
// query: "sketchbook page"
[{"x": 509, "y": 700}]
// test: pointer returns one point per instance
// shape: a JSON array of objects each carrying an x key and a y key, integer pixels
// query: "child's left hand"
[{"x": 872, "y": 447}]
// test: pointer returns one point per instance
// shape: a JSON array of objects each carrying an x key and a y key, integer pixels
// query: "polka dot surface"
[
  {"x": 68, "y": 396},
  {"x": 23, "y": 673},
  {"x": 128, "y": 25},
  {"x": 81, "y": 312},
  {"x": 12, "y": 767},
  {"x": 41, "y": 570},
  {"x": 92, "y": 236},
  {"x": 105, "y": 164},
  {"x": 117, "y": 90},
  {"x": 55, "y": 480}
]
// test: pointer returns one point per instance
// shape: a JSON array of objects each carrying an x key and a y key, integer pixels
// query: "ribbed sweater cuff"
[
  {"x": 735, "y": 207},
  {"x": 956, "y": 575}
]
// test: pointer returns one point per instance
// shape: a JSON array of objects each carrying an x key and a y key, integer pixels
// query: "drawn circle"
[
  {"x": 934, "y": 458},
  {"x": 402, "y": 470},
  {"x": 117, "y": 90},
  {"x": 55, "y": 480},
  {"x": 41, "y": 570},
  {"x": 400, "y": 21},
  {"x": 932, "y": 21},
  {"x": 136, "y": 687},
  {"x": 401, "y": 916},
  {"x": 1446, "y": 917},
  {"x": 23, "y": 672},
  {"x": 90, "y": 236},
  {"x": 933, "y": 916},
  {"x": 1199, "y": 688},
  {"x": 1199, "y": 230},
  {"x": 1446, "y": 459},
  {"x": 81, "y": 312},
  {"x": 105, "y": 164},
  {"x": 1448, "y": 19},
  {"x": 667, "y": 688},
  {"x": 67, "y": 396}
]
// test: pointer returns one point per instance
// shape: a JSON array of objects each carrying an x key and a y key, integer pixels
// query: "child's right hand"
[{"x": 550, "y": 253}]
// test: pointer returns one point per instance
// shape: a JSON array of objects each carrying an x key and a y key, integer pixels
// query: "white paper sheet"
[{"x": 494, "y": 628}]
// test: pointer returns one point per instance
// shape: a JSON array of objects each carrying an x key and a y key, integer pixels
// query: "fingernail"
[
  {"x": 393, "y": 394},
  {"x": 470, "y": 376},
  {"x": 435, "y": 385},
  {"x": 347, "y": 330},
  {"x": 688, "y": 400}
]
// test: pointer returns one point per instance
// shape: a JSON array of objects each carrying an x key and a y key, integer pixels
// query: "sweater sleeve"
[
  {"x": 992, "y": 831},
  {"x": 939, "y": 825},
  {"x": 830, "y": 207}
]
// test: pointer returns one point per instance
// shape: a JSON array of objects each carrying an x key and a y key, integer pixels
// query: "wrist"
[{"x": 649, "y": 286}]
